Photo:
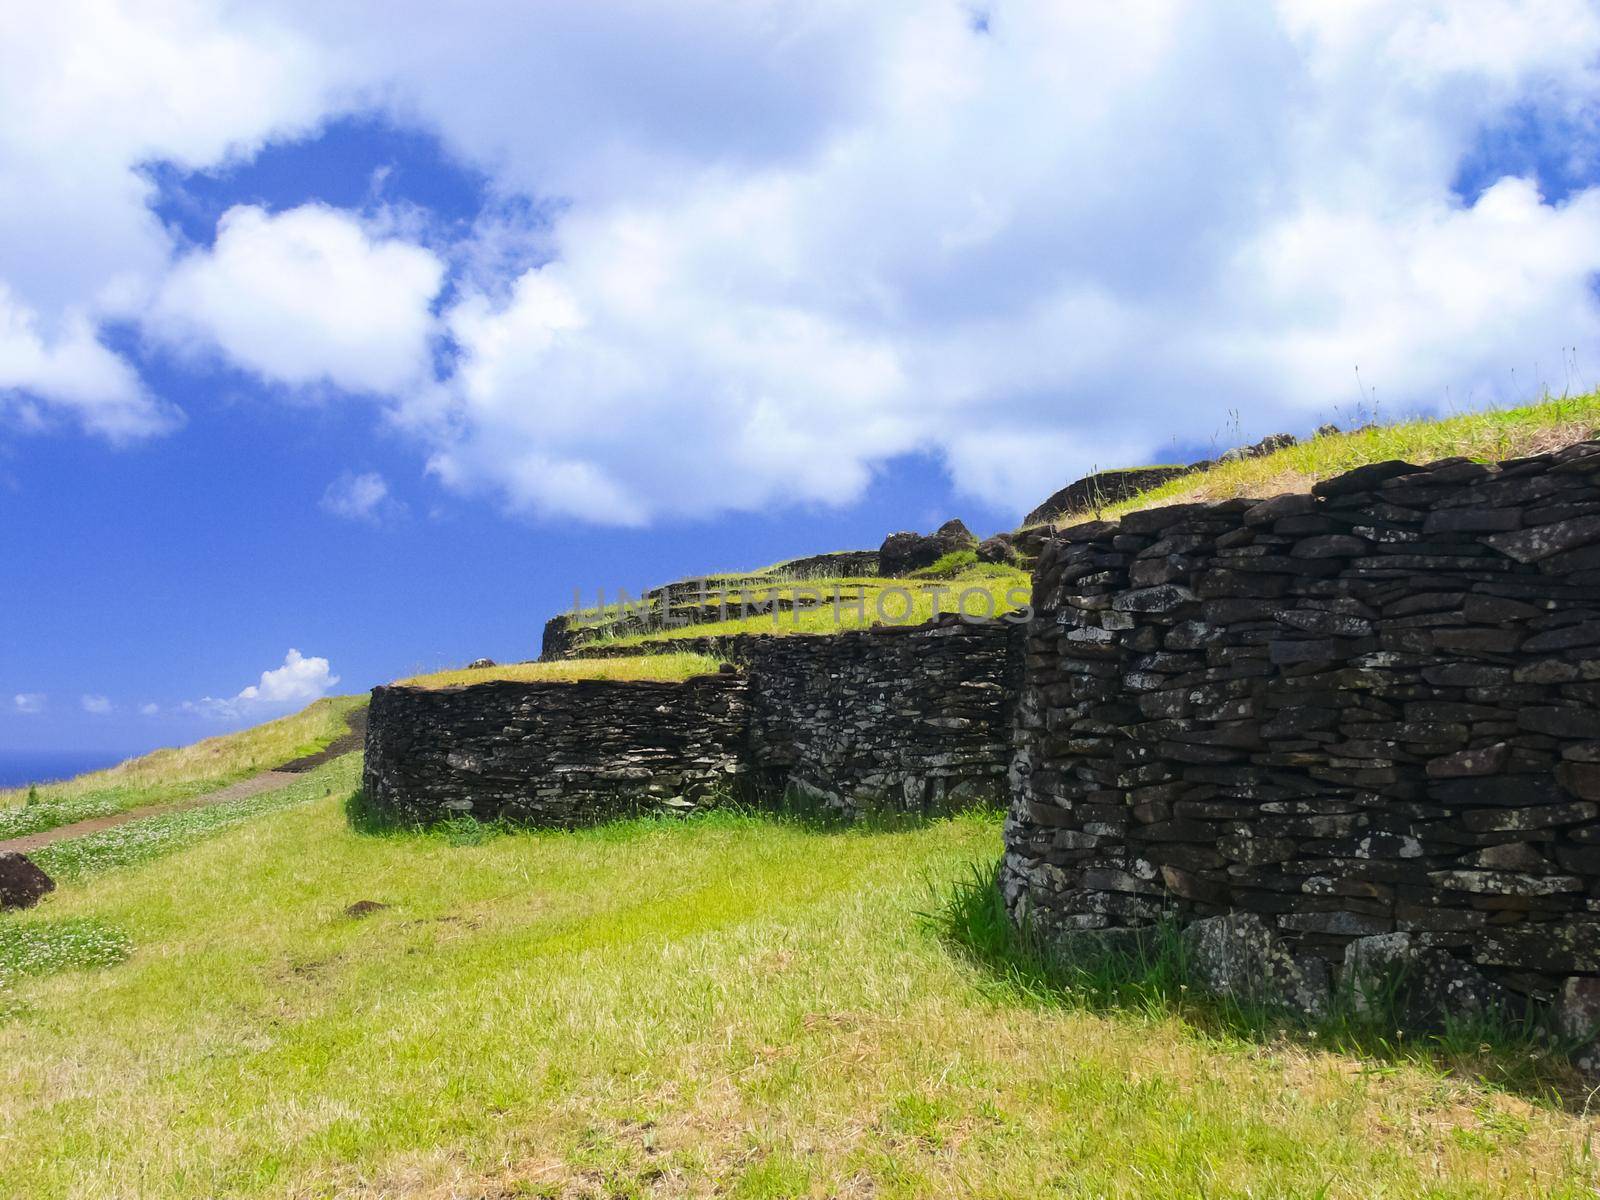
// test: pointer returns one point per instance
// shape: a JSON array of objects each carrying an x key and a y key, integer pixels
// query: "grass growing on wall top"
[
  {"x": 164, "y": 776},
  {"x": 1483, "y": 436},
  {"x": 725, "y": 1005},
  {"x": 991, "y": 591},
  {"x": 671, "y": 668}
]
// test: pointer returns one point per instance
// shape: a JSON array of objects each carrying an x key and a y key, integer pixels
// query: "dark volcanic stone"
[
  {"x": 1101, "y": 488},
  {"x": 22, "y": 884},
  {"x": 1362, "y": 479},
  {"x": 1331, "y": 545},
  {"x": 1530, "y": 545},
  {"x": 998, "y": 549},
  {"x": 902, "y": 553}
]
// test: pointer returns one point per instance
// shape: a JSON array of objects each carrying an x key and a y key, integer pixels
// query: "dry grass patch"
[{"x": 213, "y": 762}]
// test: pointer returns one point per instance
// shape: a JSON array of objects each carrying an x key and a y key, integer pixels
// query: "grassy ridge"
[
  {"x": 167, "y": 776},
  {"x": 727, "y": 1005},
  {"x": 1483, "y": 436}
]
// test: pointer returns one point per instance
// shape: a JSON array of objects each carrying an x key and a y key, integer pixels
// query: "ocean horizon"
[{"x": 20, "y": 768}]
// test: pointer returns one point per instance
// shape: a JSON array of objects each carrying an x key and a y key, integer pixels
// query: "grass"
[
  {"x": 154, "y": 836},
  {"x": 1483, "y": 436},
  {"x": 1155, "y": 976},
  {"x": 725, "y": 1005},
  {"x": 986, "y": 589},
  {"x": 30, "y": 946},
  {"x": 166, "y": 776},
  {"x": 670, "y": 668}
]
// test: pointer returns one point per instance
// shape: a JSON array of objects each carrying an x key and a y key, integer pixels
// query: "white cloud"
[
  {"x": 793, "y": 240},
  {"x": 1032, "y": 252},
  {"x": 97, "y": 706},
  {"x": 149, "y": 710},
  {"x": 72, "y": 375},
  {"x": 305, "y": 297},
  {"x": 297, "y": 683},
  {"x": 28, "y": 702},
  {"x": 363, "y": 497},
  {"x": 89, "y": 92}
]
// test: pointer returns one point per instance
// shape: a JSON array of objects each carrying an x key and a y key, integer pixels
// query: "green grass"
[
  {"x": 166, "y": 776},
  {"x": 1154, "y": 975},
  {"x": 1483, "y": 436},
  {"x": 990, "y": 589},
  {"x": 724, "y": 1005},
  {"x": 33, "y": 946},
  {"x": 671, "y": 668}
]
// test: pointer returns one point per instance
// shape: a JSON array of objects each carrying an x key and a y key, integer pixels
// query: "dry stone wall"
[
  {"x": 555, "y": 754},
  {"x": 889, "y": 719},
  {"x": 912, "y": 719},
  {"x": 1372, "y": 712}
]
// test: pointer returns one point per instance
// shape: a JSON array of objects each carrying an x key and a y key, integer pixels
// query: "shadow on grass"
[
  {"x": 744, "y": 807},
  {"x": 1152, "y": 976}
]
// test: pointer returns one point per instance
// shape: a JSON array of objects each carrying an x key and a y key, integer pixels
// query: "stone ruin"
[
  {"x": 1336, "y": 735},
  {"x": 1355, "y": 728}
]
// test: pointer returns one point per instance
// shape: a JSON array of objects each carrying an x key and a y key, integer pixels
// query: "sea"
[{"x": 18, "y": 768}]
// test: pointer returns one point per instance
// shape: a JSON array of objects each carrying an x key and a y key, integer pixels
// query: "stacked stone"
[
  {"x": 907, "y": 719},
  {"x": 1365, "y": 712},
  {"x": 555, "y": 754},
  {"x": 910, "y": 719}
]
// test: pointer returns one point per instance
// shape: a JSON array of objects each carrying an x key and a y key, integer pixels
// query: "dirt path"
[{"x": 267, "y": 781}]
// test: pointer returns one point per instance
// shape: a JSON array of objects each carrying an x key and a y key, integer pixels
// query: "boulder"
[
  {"x": 22, "y": 884},
  {"x": 480, "y": 664},
  {"x": 902, "y": 553},
  {"x": 1425, "y": 985},
  {"x": 999, "y": 549},
  {"x": 1267, "y": 445},
  {"x": 1239, "y": 956},
  {"x": 1576, "y": 1012},
  {"x": 1103, "y": 487}
]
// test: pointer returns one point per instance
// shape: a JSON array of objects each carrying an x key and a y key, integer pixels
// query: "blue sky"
[{"x": 371, "y": 339}]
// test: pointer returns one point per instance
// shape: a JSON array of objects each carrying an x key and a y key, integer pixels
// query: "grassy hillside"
[
  {"x": 667, "y": 667},
  {"x": 1484, "y": 436},
  {"x": 721, "y": 1006},
  {"x": 165, "y": 776}
]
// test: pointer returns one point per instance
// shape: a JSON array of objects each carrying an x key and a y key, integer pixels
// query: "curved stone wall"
[{"x": 1372, "y": 710}]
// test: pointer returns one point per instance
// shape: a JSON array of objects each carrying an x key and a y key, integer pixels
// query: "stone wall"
[
  {"x": 909, "y": 719},
  {"x": 900, "y": 718},
  {"x": 555, "y": 754},
  {"x": 1369, "y": 712}
]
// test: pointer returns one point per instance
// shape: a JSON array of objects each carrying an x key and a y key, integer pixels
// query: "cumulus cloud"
[
  {"x": 791, "y": 241},
  {"x": 308, "y": 296},
  {"x": 1043, "y": 248},
  {"x": 298, "y": 682},
  {"x": 28, "y": 702},
  {"x": 149, "y": 709},
  {"x": 98, "y": 706},
  {"x": 363, "y": 497}
]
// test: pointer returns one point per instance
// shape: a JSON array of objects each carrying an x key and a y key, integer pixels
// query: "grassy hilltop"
[{"x": 733, "y": 1004}]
